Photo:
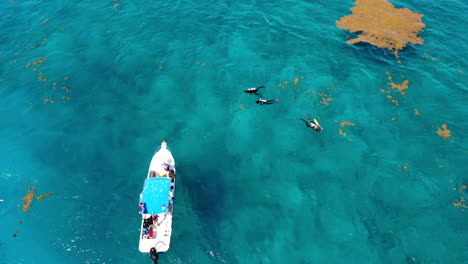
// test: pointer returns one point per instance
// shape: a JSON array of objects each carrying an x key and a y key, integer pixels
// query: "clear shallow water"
[{"x": 254, "y": 185}]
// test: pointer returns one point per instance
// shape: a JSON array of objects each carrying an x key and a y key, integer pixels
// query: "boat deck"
[{"x": 159, "y": 235}]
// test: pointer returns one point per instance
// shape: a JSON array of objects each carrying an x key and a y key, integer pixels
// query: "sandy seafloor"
[{"x": 255, "y": 185}]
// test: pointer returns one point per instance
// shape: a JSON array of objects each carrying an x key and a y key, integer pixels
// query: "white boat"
[{"x": 156, "y": 203}]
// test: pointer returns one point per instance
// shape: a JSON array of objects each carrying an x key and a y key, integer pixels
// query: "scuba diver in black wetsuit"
[
  {"x": 312, "y": 124},
  {"x": 261, "y": 101},
  {"x": 251, "y": 91},
  {"x": 154, "y": 255}
]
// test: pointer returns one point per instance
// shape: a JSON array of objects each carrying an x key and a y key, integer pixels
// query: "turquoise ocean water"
[{"x": 88, "y": 89}]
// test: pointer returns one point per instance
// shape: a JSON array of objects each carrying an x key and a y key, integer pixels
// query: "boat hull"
[{"x": 156, "y": 202}]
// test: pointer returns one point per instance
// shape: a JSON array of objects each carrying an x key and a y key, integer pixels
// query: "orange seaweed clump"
[
  {"x": 343, "y": 124},
  {"x": 346, "y": 123},
  {"x": 39, "y": 61},
  {"x": 393, "y": 100},
  {"x": 284, "y": 85},
  {"x": 384, "y": 91},
  {"x": 444, "y": 132},
  {"x": 405, "y": 167},
  {"x": 296, "y": 80},
  {"x": 461, "y": 203},
  {"x": 40, "y": 197},
  {"x": 341, "y": 132},
  {"x": 400, "y": 87},
  {"x": 48, "y": 101},
  {"x": 379, "y": 23},
  {"x": 460, "y": 190},
  {"x": 28, "y": 198},
  {"x": 326, "y": 100}
]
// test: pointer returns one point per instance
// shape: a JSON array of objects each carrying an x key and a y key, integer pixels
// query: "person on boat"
[
  {"x": 147, "y": 222},
  {"x": 142, "y": 207},
  {"x": 261, "y": 101},
  {"x": 154, "y": 255},
  {"x": 251, "y": 91},
  {"x": 312, "y": 124},
  {"x": 166, "y": 166},
  {"x": 155, "y": 222}
]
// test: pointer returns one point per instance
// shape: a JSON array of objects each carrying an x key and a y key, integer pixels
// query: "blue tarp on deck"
[{"x": 155, "y": 195}]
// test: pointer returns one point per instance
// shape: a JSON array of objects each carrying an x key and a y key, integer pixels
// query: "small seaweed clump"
[
  {"x": 379, "y": 23},
  {"x": 444, "y": 132},
  {"x": 28, "y": 198},
  {"x": 40, "y": 197}
]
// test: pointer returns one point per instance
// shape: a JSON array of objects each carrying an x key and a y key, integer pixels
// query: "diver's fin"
[{"x": 263, "y": 86}]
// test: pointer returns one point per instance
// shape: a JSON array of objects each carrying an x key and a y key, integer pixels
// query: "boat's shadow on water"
[{"x": 203, "y": 192}]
